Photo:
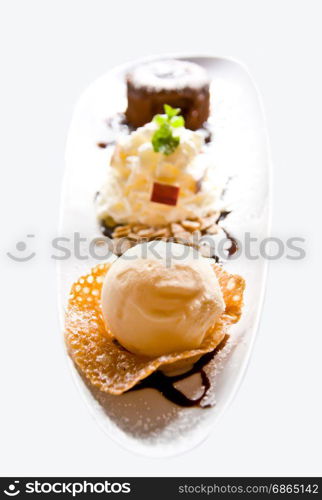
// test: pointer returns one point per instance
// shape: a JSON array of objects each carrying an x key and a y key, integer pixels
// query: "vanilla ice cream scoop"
[{"x": 160, "y": 298}]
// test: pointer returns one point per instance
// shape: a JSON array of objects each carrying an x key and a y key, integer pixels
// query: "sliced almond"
[
  {"x": 190, "y": 225},
  {"x": 137, "y": 227},
  {"x": 121, "y": 245},
  {"x": 214, "y": 229},
  {"x": 117, "y": 246},
  {"x": 205, "y": 223},
  {"x": 162, "y": 232},
  {"x": 208, "y": 221},
  {"x": 121, "y": 231},
  {"x": 125, "y": 227},
  {"x": 196, "y": 235},
  {"x": 146, "y": 233},
  {"x": 184, "y": 237},
  {"x": 176, "y": 228},
  {"x": 205, "y": 250},
  {"x": 134, "y": 237}
]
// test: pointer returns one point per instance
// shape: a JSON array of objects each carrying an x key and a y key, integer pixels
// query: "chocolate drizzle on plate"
[
  {"x": 107, "y": 230},
  {"x": 233, "y": 242},
  {"x": 223, "y": 215},
  {"x": 165, "y": 384},
  {"x": 207, "y": 132}
]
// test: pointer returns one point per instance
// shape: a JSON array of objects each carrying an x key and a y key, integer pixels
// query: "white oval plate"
[{"x": 143, "y": 421}]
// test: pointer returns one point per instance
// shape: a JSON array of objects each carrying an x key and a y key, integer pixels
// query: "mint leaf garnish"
[
  {"x": 163, "y": 140},
  {"x": 177, "y": 121},
  {"x": 171, "y": 112},
  {"x": 160, "y": 119}
]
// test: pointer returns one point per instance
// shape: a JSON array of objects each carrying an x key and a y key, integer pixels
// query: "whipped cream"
[{"x": 135, "y": 166}]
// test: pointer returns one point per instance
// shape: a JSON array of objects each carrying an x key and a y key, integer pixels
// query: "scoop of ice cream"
[
  {"x": 160, "y": 298},
  {"x": 135, "y": 167}
]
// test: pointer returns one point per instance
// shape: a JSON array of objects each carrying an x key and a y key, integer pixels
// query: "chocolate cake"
[{"x": 178, "y": 83}]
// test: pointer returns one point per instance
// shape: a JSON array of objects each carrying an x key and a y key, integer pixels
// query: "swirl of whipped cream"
[{"x": 135, "y": 166}]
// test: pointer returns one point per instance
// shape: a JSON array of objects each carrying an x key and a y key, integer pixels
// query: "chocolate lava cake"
[{"x": 178, "y": 83}]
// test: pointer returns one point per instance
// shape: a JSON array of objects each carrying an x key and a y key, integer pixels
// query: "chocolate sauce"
[
  {"x": 165, "y": 384},
  {"x": 107, "y": 230},
  {"x": 207, "y": 133},
  {"x": 233, "y": 243},
  {"x": 223, "y": 215},
  {"x": 215, "y": 258}
]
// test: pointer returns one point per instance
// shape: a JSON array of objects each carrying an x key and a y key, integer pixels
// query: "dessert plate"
[{"x": 143, "y": 421}]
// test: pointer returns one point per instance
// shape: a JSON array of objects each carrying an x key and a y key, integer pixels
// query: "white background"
[{"x": 50, "y": 51}]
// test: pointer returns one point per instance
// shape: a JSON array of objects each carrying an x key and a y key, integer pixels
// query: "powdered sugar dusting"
[
  {"x": 146, "y": 415},
  {"x": 169, "y": 75}
]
